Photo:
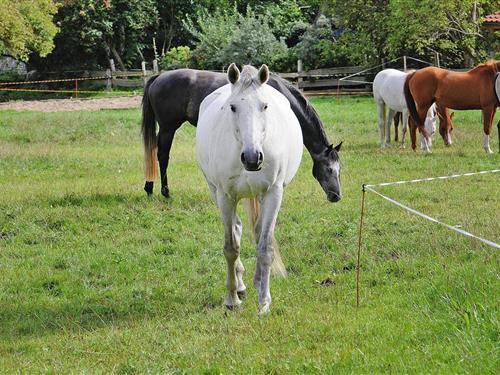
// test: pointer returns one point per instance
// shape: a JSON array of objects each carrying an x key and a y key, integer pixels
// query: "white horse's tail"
[{"x": 252, "y": 207}]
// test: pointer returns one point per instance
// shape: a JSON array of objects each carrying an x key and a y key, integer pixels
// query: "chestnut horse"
[{"x": 473, "y": 89}]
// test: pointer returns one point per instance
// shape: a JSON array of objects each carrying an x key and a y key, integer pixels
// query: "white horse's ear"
[
  {"x": 233, "y": 73},
  {"x": 263, "y": 74}
]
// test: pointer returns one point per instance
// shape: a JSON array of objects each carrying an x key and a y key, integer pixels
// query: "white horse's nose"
[{"x": 252, "y": 160}]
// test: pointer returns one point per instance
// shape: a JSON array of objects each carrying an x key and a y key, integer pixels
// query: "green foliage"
[
  {"x": 175, "y": 58},
  {"x": 392, "y": 28},
  {"x": 92, "y": 32},
  {"x": 212, "y": 33},
  {"x": 27, "y": 26},
  {"x": 252, "y": 42},
  {"x": 317, "y": 44},
  {"x": 227, "y": 36}
]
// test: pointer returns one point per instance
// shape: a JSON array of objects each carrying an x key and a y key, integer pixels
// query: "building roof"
[{"x": 493, "y": 18}]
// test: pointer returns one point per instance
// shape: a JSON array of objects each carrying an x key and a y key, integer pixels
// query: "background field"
[{"x": 96, "y": 277}]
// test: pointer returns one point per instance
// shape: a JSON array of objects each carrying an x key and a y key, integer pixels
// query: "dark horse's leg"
[
  {"x": 397, "y": 118},
  {"x": 498, "y": 128},
  {"x": 165, "y": 138}
]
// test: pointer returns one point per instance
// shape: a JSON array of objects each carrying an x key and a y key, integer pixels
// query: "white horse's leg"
[
  {"x": 425, "y": 144},
  {"x": 271, "y": 203},
  {"x": 404, "y": 118},
  {"x": 486, "y": 143},
  {"x": 241, "y": 288},
  {"x": 227, "y": 209},
  {"x": 389, "y": 119},
  {"x": 381, "y": 121}
]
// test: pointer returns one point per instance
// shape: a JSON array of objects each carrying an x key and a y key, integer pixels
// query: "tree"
[
  {"x": 376, "y": 29},
  {"x": 227, "y": 36},
  {"x": 27, "y": 26},
  {"x": 93, "y": 31}
]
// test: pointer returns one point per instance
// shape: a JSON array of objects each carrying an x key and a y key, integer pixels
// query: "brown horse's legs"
[
  {"x": 422, "y": 113},
  {"x": 413, "y": 133},
  {"x": 488, "y": 114}
]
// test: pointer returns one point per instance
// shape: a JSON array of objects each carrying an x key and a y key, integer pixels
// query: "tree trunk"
[{"x": 111, "y": 50}]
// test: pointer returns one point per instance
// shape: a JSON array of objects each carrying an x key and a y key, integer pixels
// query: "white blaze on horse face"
[{"x": 249, "y": 123}]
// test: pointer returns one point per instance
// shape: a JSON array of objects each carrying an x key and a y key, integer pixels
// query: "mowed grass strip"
[{"x": 97, "y": 277}]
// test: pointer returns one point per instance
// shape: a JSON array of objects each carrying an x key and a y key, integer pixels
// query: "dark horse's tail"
[
  {"x": 410, "y": 102},
  {"x": 148, "y": 129}
]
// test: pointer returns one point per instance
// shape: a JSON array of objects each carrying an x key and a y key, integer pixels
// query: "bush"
[
  {"x": 227, "y": 36},
  {"x": 176, "y": 58}
]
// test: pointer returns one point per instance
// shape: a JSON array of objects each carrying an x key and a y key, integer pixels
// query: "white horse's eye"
[
  {"x": 264, "y": 107},
  {"x": 233, "y": 108}
]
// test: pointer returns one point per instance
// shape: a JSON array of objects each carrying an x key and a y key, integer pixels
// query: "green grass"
[{"x": 96, "y": 278}]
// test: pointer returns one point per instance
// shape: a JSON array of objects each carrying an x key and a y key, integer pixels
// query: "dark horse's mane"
[{"x": 308, "y": 111}]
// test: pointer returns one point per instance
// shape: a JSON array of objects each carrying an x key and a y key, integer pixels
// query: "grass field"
[{"x": 95, "y": 277}]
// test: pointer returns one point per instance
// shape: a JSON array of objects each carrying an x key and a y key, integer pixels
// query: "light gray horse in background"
[{"x": 388, "y": 91}]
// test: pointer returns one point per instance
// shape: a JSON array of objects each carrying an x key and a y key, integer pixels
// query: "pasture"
[{"x": 97, "y": 277}]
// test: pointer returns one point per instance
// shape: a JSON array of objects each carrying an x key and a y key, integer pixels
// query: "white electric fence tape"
[{"x": 461, "y": 231}]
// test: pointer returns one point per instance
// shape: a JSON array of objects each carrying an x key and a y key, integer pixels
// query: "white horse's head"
[{"x": 248, "y": 112}]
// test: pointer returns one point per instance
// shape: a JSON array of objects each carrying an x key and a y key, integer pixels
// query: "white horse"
[
  {"x": 388, "y": 91},
  {"x": 248, "y": 145}
]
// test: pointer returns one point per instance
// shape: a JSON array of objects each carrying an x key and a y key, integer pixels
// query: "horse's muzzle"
[
  {"x": 333, "y": 197},
  {"x": 252, "y": 161}
]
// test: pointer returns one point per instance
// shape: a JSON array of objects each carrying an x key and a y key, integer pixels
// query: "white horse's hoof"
[
  {"x": 263, "y": 309},
  {"x": 232, "y": 303},
  {"x": 488, "y": 150}
]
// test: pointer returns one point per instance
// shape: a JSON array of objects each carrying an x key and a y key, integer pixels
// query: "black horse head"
[{"x": 326, "y": 169}]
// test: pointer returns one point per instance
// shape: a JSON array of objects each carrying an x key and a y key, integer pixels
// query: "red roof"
[{"x": 493, "y": 18}]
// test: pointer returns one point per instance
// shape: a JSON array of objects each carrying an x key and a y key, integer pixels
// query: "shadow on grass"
[{"x": 87, "y": 313}]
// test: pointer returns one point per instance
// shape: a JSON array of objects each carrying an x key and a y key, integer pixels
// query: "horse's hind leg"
[
  {"x": 389, "y": 118},
  {"x": 397, "y": 118},
  {"x": 424, "y": 135},
  {"x": 488, "y": 114},
  {"x": 498, "y": 128},
  {"x": 165, "y": 138},
  {"x": 404, "y": 119},
  {"x": 381, "y": 122}
]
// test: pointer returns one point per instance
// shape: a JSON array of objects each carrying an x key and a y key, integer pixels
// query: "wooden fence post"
[
  {"x": 404, "y": 64},
  {"x": 144, "y": 72},
  {"x": 437, "y": 60},
  {"x": 112, "y": 65},
  {"x": 109, "y": 80},
  {"x": 155, "y": 66},
  {"x": 299, "y": 70}
]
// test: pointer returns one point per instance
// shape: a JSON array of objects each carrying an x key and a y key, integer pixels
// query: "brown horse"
[{"x": 473, "y": 89}]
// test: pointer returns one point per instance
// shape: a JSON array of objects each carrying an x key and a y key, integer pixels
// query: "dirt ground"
[{"x": 63, "y": 105}]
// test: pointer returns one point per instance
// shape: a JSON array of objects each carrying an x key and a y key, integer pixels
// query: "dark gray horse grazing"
[{"x": 175, "y": 96}]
